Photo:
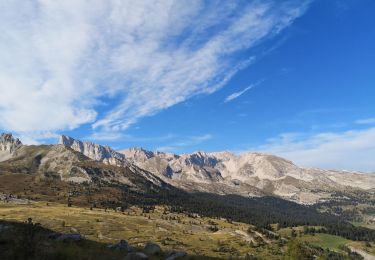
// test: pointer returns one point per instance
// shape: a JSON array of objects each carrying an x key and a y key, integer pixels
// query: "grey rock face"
[
  {"x": 8, "y": 146},
  {"x": 94, "y": 151}
]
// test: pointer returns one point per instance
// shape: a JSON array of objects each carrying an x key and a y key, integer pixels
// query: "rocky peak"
[
  {"x": 94, "y": 151},
  {"x": 201, "y": 159},
  {"x": 224, "y": 155},
  {"x": 66, "y": 140},
  {"x": 8, "y": 143},
  {"x": 138, "y": 153}
]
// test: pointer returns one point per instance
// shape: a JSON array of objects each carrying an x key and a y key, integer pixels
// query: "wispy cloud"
[
  {"x": 185, "y": 142},
  {"x": 366, "y": 121},
  {"x": 60, "y": 60},
  {"x": 111, "y": 136},
  {"x": 349, "y": 150},
  {"x": 235, "y": 95}
]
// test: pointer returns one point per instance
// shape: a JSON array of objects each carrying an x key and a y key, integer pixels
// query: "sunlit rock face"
[
  {"x": 96, "y": 152},
  {"x": 8, "y": 146}
]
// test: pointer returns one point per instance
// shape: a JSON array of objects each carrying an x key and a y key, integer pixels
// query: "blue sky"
[{"x": 292, "y": 78}]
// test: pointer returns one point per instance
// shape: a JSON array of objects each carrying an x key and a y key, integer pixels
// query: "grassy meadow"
[{"x": 200, "y": 237}]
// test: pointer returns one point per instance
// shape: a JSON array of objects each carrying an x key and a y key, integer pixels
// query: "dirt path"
[{"x": 245, "y": 236}]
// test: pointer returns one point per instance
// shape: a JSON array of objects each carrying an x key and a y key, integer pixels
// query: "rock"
[
  {"x": 8, "y": 146},
  {"x": 96, "y": 152},
  {"x": 9, "y": 143},
  {"x": 69, "y": 237},
  {"x": 123, "y": 245},
  {"x": 136, "y": 256},
  {"x": 176, "y": 255},
  {"x": 152, "y": 248}
]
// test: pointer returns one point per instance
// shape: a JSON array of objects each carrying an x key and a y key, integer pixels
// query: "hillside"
[{"x": 96, "y": 231}]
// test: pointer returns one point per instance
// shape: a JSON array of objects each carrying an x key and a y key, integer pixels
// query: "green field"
[{"x": 326, "y": 241}]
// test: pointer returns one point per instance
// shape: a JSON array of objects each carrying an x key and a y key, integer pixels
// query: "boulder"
[
  {"x": 136, "y": 256},
  {"x": 123, "y": 245},
  {"x": 176, "y": 255},
  {"x": 152, "y": 249}
]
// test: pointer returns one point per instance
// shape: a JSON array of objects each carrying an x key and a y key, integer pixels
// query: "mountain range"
[{"x": 247, "y": 174}]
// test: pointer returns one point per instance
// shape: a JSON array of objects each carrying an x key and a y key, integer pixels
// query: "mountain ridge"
[{"x": 248, "y": 174}]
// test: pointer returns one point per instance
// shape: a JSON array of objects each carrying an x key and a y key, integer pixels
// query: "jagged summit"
[
  {"x": 8, "y": 145},
  {"x": 94, "y": 151}
]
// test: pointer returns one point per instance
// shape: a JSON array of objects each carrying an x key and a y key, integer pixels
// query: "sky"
[{"x": 295, "y": 78}]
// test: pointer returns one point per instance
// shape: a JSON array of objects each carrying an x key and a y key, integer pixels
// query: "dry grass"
[{"x": 171, "y": 231}]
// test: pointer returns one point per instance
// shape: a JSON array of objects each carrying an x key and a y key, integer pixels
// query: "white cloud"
[
  {"x": 34, "y": 138},
  {"x": 60, "y": 61},
  {"x": 350, "y": 150}
]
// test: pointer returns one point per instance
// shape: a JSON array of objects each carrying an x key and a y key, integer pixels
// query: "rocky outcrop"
[
  {"x": 94, "y": 151},
  {"x": 8, "y": 146},
  {"x": 123, "y": 245}
]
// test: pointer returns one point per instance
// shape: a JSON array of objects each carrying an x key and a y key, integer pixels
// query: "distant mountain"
[
  {"x": 63, "y": 163},
  {"x": 247, "y": 174},
  {"x": 250, "y": 174}
]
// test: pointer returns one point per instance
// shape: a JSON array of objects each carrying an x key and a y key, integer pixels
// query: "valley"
[{"x": 187, "y": 130}]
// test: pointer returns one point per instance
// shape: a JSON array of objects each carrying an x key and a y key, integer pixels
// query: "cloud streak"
[
  {"x": 349, "y": 150},
  {"x": 62, "y": 63},
  {"x": 365, "y": 121},
  {"x": 235, "y": 95},
  {"x": 186, "y": 142}
]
